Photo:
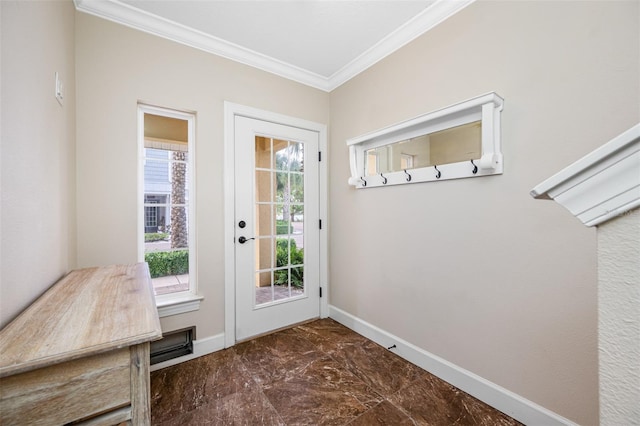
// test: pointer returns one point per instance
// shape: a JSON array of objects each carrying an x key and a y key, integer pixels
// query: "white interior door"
[{"x": 276, "y": 226}]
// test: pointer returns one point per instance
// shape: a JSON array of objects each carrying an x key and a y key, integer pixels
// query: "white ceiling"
[{"x": 318, "y": 43}]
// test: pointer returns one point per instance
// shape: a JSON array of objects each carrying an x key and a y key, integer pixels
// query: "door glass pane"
[
  {"x": 298, "y": 234},
  {"x": 263, "y": 152},
  {"x": 282, "y": 252},
  {"x": 296, "y": 156},
  {"x": 264, "y": 289},
  {"x": 264, "y": 247},
  {"x": 264, "y": 223},
  {"x": 263, "y": 186},
  {"x": 279, "y": 220},
  {"x": 281, "y": 278},
  {"x": 282, "y": 291},
  {"x": 282, "y": 157},
  {"x": 283, "y": 186},
  {"x": 296, "y": 254},
  {"x": 297, "y": 279},
  {"x": 297, "y": 188}
]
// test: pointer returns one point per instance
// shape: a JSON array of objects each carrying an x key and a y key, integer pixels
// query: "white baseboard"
[
  {"x": 200, "y": 347},
  {"x": 514, "y": 405}
]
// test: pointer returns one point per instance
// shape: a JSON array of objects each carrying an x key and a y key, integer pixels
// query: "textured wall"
[
  {"x": 619, "y": 320},
  {"x": 475, "y": 270}
]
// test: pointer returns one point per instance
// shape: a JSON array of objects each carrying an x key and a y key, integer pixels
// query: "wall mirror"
[
  {"x": 462, "y": 140},
  {"x": 461, "y": 143}
]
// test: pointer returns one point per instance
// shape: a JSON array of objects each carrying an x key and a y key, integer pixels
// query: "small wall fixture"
[{"x": 434, "y": 146}]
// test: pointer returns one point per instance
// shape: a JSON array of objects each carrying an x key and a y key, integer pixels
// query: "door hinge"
[
  {"x": 319, "y": 155},
  {"x": 320, "y": 224},
  {"x": 320, "y": 291}
]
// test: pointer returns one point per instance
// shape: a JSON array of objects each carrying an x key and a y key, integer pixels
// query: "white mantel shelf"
[{"x": 601, "y": 185}]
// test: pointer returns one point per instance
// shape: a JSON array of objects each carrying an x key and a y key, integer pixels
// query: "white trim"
[
  {"x": 140, "y": 163},
  {"x": 324, "y": 217},
  {"x": 231, "y": 110},
  {"x": 179, "y": 304},
  {"x": 601, "y": 185},
  {"x": 514, "y": 405},
  {"x": 201, "y": 347},
  {"x": 121, "y": 13},
  {"x": 430, "y": 17},
  {"x": 229, "y": 226},
  {"x": 184, "y": 301}
]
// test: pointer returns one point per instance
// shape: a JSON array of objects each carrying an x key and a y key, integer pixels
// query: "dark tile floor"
[{"x": 319, "y": 373}]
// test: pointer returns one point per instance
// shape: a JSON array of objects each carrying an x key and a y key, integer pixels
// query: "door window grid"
[{"x": 284, "y": 274}]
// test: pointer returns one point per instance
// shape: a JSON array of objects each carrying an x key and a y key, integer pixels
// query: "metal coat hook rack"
[{"x": 476, "y": 119}]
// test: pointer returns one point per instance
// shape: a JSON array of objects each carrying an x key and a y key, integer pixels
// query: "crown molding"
[
  {"x": 433, "y": 15},
  {"x": 601, "y": 185},
  {"x": 124, "y": 14},
  {"x": 121, "y": 13}
]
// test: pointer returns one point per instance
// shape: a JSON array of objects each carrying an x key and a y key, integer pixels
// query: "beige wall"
[
  {"x": 474, "y": 270},
  {"x": 38, "y": 142},
  {"x": 116, "y": 68}
]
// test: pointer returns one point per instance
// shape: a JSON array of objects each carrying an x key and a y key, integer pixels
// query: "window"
[
  {"x": 166, "y": 240},
  {"x": 406, "y": 161},
  {"x": 372, "y": 163},
  {"x": 462, "y": 140},
  {"x": 155, "y": 213},
  {"x": 151, "y": 218}
]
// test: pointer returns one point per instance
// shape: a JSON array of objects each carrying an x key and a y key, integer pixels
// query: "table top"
[{"x": 89, "y": 311}]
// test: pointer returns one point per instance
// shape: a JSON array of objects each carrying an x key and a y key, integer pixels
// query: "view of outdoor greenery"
[
  {"x": 166, "y": 245},
  {"x": 280, "y": 207},
  {"x": 289, "y": 192}
]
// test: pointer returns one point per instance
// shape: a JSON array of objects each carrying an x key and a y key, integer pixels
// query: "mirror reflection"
[{"x": 462, "y": 143}]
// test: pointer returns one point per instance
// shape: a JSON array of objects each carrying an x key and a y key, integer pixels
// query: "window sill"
[{"x": 179, "y": 303}]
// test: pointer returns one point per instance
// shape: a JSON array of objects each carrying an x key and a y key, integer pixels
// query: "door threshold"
[{"x": 277, "y": 330}]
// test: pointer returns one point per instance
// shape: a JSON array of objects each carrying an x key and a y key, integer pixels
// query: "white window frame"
[
  {"x": 188, "y": 300},
  {"x": 486, "y": 108}
]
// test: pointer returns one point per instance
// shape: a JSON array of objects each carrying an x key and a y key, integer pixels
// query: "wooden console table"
[{"x": 80, "y": 353}]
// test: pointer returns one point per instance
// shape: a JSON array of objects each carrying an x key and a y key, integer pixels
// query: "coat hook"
[
  {"x": 384, "y": 179},
  {"x": 364, "y": 182},
  {"x": 438, "y": 173},
  {"x": 408, "y": 175},
  {"x": 475, "y": 168}
]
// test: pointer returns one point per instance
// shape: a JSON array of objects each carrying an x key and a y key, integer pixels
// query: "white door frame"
[{"x": 231, "y": 110}]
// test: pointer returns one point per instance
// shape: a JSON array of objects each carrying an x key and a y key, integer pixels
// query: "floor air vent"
[{"x": 173, "y": 345}]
